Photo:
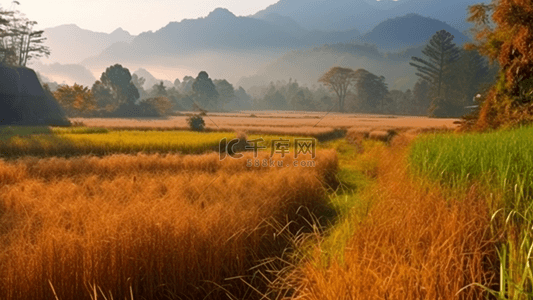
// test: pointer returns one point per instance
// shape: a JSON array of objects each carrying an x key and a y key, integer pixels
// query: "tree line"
[
  {"x": 118, "y": 93},
  {"x": 449, "y": 79}
]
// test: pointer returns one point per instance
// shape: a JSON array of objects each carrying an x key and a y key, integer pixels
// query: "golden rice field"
[
  {"x": 149, "y": 226},
  {"x": 70, "y": 142},
  {"x": 75, "y": 141},
  {"x": 143, "y": 209}
]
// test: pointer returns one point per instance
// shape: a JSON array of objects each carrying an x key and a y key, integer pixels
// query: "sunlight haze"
[{"x": 133, "y": 16}]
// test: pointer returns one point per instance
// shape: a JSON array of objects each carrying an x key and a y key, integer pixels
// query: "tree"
[
  {"x": 175, "y": 98},
  {"x": 104, "y": 97},
  {"x": 322, "y": 98},
  {"x": 196, "y": 123},
  {"x": 225, "y": 91},
  {"x": 506, "y": 37},
  {"x": 19, "y": 42},
  {"x": 159, "y": 89},
  {"x": 161, "y": 105},
  {"x": 397, "y": 99},
  {"x": 115, "y": 88},
  {"x": 186, "y": 84},
  {"x": 371, "y": 91},
  {"x": 75, "y": 100},
  {"x": 274, "y": 99},
  {"x": 325, "y": 102},
  {"x": 205, "y": 91},
  {"x": 243, "y": 100},
  {"x": 470, "y": 73},
  {"x": 441, "y": 53},
  {"x": 339, "y": 80},
  {"x": 300, "y": 101},
  {"x": 421, "y": 97},
  {"x": 408, "y": 101}
]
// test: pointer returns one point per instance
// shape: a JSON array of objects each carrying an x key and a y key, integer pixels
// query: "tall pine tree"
[{"x": 441, "y": 53}]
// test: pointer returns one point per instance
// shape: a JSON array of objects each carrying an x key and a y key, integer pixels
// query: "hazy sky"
[{"x": 134, "y": 16}]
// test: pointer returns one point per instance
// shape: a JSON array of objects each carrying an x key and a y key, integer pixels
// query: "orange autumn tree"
[
  {"x": 506, "y": 36},
  {"x": 339, "y": 80},
  {"x": 76, "y": 100}
]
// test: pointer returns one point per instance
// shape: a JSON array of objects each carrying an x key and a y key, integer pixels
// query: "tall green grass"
[{"x": 502, "y": 163}]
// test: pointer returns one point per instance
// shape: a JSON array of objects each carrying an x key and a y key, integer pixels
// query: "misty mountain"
[
  {"x": 339, "y": 15},
  {"x": 286, "y": 24},
  {"x": 68, "y": 73},
  {"x": 70, "y": 44},
  {"x": 408, "y": 31},
  {"x": 150, "y": 79},
  {"x": 231, "y": 47},
  {"x": 386, "y": 50},
  {"x": 307, "y": 66},
  {"x": 221, "y": 30}
]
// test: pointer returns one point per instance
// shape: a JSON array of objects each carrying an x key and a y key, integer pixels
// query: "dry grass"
[
  {"x": 414, "y": 244},
  {"x": 147, "y": 226}
]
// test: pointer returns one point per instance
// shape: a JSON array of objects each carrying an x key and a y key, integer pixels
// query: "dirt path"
[{"x": 413, "y": 244}]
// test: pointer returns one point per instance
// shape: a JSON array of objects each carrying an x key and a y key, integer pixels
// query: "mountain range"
[
  {"x": 411, "y": 30},
  {"x": 71, "y": 44},
  {"x": 221, "y": 30},
  {"x": 230, "y": 47},
  {"x": 340, "y": 15}
]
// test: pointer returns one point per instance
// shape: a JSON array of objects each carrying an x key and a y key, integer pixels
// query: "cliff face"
[{"x": 23, "y": 101}]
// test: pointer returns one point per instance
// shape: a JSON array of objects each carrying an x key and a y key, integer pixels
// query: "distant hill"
[
  {"x": 329, "y": 15},
  {"x": 150, "y": 79},
  {"x": 70, "y": 44},
  {"x": 307, "y": 66},
  {"x": 408, "y": 31},
  {"x": 339, "y": 15},
  {"x": 220, "y": 31},
  {"x": 68, "y": 73},
  {"x": 286, "y": 24}
]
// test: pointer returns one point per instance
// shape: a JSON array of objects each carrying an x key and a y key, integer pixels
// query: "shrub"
[
  {"x": 196, "y": 123},
  {"x": 161, "y": 105}
]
